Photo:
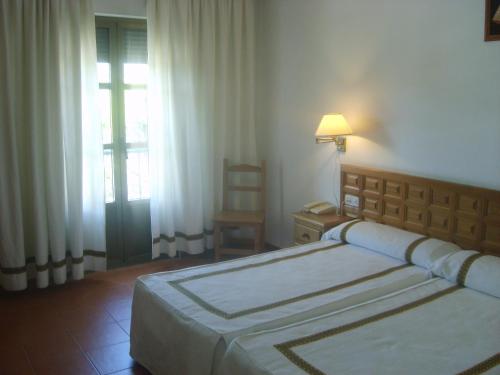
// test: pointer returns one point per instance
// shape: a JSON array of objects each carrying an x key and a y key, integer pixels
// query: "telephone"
[{"x": 320, "y": 208}]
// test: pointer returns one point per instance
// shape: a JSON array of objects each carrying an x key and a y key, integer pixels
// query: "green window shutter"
[
  {"x": 102, "y": 41},
  {"x": 135, "y": 46}
]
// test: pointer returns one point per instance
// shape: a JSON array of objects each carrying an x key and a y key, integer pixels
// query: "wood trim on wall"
[{"x": 466, "y": 215}]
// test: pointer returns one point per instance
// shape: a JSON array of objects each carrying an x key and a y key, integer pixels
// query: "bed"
[
  {"x": 184, "y": 321},
  {"x": 448, "y": 325}
]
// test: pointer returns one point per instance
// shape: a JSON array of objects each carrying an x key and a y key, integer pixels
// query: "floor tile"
[
  {"x": 74, "y": 364},
  {"x": 120, "y": 309},
  {"x": 14, "y": 360},
  {"x": 75, "y": 328},
  {"x": 112, "y": 358},
  {"x": 125, "y": 324},
  {"x": 135, "y": 370},
  {"x": 49, "y": 345},
  {"x": 103, "y": 335},
  {"x": 86, "y": 317}
]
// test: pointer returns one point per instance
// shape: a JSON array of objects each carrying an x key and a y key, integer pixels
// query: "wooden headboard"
[{"x": 466, "y": 215}]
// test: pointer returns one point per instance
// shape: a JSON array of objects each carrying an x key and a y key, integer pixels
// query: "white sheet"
[
  {"x": 183, "y": 321},
  {"x": 453, "y": 331}
]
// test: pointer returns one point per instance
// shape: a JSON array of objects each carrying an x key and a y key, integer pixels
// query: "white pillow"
[
  {"x": 473, "y": 270},
  {"x": 430, "y": 251},
  {"x": 397, "y": 243},
  {"x": 449, "y": 267}
]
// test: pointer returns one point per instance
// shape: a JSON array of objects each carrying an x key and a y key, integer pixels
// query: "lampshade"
[
  {"x": 496, "y": 17},
  {"x": 333, "y": 124}
]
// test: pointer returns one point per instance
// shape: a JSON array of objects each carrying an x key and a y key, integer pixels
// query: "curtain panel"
[
  {"x": 201, "y": 109},
  {"x": 51, "y": 179}
]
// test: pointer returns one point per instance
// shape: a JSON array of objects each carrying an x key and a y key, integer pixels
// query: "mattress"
[
  {"x": 436, "y": 327},
  {"x": 183, "y": 321}
]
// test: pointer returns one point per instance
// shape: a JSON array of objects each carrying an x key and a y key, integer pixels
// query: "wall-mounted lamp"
[
  {"x": 332, "y": 128},
  {"x": 496, "y": 17}
]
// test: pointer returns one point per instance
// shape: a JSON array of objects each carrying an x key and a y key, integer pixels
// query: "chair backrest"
[{"x": 260, "y": 189}]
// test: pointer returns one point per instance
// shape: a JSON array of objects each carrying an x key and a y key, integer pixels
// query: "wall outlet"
[{"x": 351, "y": 200}]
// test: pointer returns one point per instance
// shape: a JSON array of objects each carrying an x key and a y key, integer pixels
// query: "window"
[{"x": 122, "y": 73}]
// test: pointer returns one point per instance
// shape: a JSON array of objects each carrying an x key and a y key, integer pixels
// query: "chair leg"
[
  {"x": 263, "y": 237},
  {"x": 257, "y": 240},
  {"x": 217, "y": 241},
  {"x": 226, "y": 237}
]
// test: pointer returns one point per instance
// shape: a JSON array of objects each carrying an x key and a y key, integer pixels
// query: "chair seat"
[{"x": 240, "y": 217}]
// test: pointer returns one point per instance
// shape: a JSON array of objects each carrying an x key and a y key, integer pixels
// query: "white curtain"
[
  {"x": 51, "y": 180},
  {"x": 201, "y": 100}
]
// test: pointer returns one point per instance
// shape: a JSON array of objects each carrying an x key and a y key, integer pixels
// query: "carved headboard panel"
[{"x": 466, "y": 215}]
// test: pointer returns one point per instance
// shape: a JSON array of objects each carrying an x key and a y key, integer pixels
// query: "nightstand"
[{"x": 310, "y": 227}]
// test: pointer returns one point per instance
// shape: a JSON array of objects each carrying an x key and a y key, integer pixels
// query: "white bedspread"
[
  {"x": 182, "y": 321},
  {"x": 434, "y": 328}
]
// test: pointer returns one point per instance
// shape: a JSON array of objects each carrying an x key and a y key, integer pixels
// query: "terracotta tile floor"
[{"x": 78, "y": 328}]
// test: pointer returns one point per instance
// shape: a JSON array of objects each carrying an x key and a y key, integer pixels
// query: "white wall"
[
  {"x": 122, "y": 8},
  {"x": 415, "y": 80}
]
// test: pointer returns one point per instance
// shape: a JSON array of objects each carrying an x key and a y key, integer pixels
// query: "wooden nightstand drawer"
[
  {"x": 305, "y": 234},
  {"x": 309, "y": 227}
]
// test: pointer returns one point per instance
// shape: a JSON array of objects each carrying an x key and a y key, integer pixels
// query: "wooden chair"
[{"x": 229, "y": 219}]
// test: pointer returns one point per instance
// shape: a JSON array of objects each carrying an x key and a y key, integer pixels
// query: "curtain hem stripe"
[
  {"x": 57, "y": 264},
  {"x": 187, "y": 237}
]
